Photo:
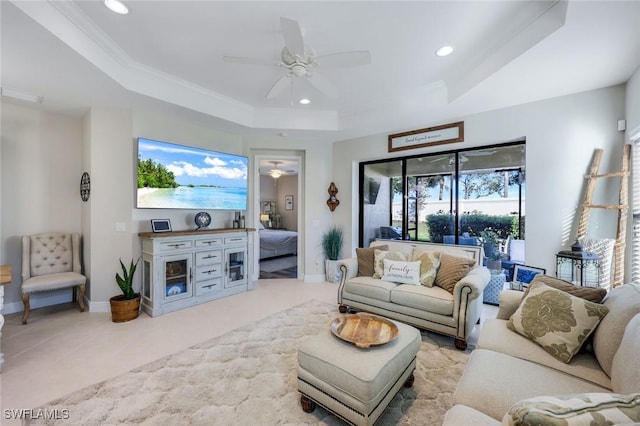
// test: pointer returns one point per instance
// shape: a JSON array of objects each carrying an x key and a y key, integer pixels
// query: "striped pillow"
[
  {"x": 575, "y": 410},
  {"x": 452, "y": 269}
]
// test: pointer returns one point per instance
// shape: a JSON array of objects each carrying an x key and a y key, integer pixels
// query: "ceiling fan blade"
[
  {"x": 323, "y": 85},
  {"x": 292, "y": 36},
  {"x": 344, "y": 59},
  {"x": 278, "y": 87},
  {"x": 250, "y": 61}
]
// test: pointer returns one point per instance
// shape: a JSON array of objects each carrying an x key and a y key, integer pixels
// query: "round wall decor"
[{"x": 85, "y": 186}]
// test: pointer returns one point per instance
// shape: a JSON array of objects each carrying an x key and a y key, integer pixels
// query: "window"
[
  {"x": 635, "y": 185},
  {"x": 444, "y": 197}
]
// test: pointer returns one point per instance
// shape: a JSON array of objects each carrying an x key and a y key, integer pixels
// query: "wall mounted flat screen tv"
[{"x": 174, "y": 176}]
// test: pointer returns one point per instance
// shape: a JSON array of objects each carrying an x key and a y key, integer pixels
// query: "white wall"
[
  {"x": 632, "y": 108},
  {"x": 561, "y": 136},
  {"x": 41, "y": 169}
]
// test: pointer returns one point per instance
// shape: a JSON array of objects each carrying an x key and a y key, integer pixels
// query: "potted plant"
[
  {"x": 332, "y": 246},
  {"x": 125, "y": 306},
  {"x": 491, "y": 251}
]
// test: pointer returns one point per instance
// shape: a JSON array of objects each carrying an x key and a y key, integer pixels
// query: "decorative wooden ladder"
[{"x": 622, "y": 207}]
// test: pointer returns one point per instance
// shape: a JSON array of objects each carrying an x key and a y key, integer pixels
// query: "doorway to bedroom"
[{"x": 278, "y": 217}]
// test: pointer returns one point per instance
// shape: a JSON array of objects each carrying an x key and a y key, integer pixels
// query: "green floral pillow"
[
  {"x": 575, "y": 410},
  {"x": 429, "y": 263},
  {"x": 556, "y": 320}
]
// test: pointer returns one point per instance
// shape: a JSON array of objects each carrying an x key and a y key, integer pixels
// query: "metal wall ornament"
[
  {"x": 85, "y": 186},
  {"x": 332, "y": 202}
]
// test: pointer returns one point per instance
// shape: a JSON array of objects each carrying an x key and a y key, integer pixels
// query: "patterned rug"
[{"x": 248, "y": 377}]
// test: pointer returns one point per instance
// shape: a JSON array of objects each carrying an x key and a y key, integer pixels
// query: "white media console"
[{"x": 186, "y": 268}]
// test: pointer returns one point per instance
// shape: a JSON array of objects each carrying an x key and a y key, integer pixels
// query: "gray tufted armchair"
[{"x": 51, "y": 261}]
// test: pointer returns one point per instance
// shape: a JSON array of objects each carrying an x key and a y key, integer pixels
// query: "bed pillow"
[
  {"x": 365, "y": 260},
  {"x": 401, "y": 272},
  {"x": 260, "y": 226},
  {"x": 380, "y": 255},
  {"x": 577, "y": 409},
  {"x": 429, "y": 263},
  {"x": 555, "y": 320},
  {"x": 452, "y": 269}
]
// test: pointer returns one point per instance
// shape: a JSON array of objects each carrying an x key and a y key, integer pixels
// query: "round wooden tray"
[{"x": 364, "y": 330}]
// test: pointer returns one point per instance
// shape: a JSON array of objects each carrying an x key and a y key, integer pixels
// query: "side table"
[{"x": 492, "y": 291}]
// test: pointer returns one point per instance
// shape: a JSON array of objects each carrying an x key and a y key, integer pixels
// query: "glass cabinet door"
[
  {"x": 235, "y": 266},
  {"x": 177, "y": 277}
]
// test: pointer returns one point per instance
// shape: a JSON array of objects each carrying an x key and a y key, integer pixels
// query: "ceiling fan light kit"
[{"x": 300, "y": 61}]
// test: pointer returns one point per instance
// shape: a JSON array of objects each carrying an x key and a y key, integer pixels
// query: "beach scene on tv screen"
[{"x": 180, "y": 177}]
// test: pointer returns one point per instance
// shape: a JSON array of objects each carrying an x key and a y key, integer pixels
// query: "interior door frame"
[{"x": 299, "y": 202}]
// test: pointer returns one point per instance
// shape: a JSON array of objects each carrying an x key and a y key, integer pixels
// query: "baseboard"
[
  {"x": 314, "y": 278},
  {"x": 98, "y": 306}
]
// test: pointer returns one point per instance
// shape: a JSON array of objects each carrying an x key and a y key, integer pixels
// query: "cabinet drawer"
[
  {"x": 213, "y": 242},
  {"x": 175, "y": 245},
  {"x": 208, "y": 287},
  {"x": 208, "y": 257},
  {"x": 235, "y": 240},
  {"x": 208, "y": 271}
]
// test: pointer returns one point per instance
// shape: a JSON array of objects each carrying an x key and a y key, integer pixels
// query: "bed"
[{"x": 276, "y": 242}]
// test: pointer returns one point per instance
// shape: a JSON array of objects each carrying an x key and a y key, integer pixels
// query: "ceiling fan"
[{"x": 300, "y": 61}]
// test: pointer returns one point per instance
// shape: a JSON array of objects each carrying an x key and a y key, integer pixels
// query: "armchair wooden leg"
[
  {"x": 81, "y": 297},
  {"x": 27, "y": 307}
]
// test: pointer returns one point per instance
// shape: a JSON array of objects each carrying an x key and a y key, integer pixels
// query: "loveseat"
[
  {"x": 447, "y": 299},
  {"x": 509, "y": 378}
]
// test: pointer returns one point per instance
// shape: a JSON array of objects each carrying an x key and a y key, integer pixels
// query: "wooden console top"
[{"x": 193, "y": 232}]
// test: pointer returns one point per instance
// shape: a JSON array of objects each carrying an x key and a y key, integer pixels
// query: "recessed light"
[
  {"x": 116, "y": 6},
  {"x": 20, "y": 95},
  {"x": 444, "y": 51},
  {"x": 304, "y": 101}
]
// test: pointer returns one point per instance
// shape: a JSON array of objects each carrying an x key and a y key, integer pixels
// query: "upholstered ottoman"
[{"x": 355, "y": 384}]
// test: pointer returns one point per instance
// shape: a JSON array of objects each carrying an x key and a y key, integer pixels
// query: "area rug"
[{"x": 248, "y": 377}]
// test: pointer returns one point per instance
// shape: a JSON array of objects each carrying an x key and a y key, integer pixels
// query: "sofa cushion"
[
  {"x": 623, "y": 303},
  {"x": 462, "y": 415},
  {"x": 429, "y": 264},
  {"x": 497, "y": 337},
  {"x": 452, "y": 269},
  {"x": 365, "y": 260},
  {"x": 591, "y": 294},
  {"x": 625, "y": 369},
  {"x": 380, "y": 255},
  {"x": 575, "y": 410},
  {"x": 492, "y": 382},
  {"x": 556, "y": 320},
  {"x": 430, "y": 299},
  {"x": 370, "y": 287},
  {"x": 401, "y": 272}
]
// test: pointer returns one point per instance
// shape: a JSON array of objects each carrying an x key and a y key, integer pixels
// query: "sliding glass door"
[{"x": 454, "y": 197}]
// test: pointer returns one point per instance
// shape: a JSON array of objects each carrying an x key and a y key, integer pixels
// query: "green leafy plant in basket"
[{"x": 125, "y": 282}]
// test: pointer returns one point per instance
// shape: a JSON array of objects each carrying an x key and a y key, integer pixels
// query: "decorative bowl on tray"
[{"x": 364, "y": 330}]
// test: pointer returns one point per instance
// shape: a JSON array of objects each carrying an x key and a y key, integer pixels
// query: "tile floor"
[{"x": 62, "y": 350}]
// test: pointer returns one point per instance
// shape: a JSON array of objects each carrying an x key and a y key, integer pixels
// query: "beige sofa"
[
  {"x": 506, "y": 367},
  {"x": 452, "y": 313}
]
